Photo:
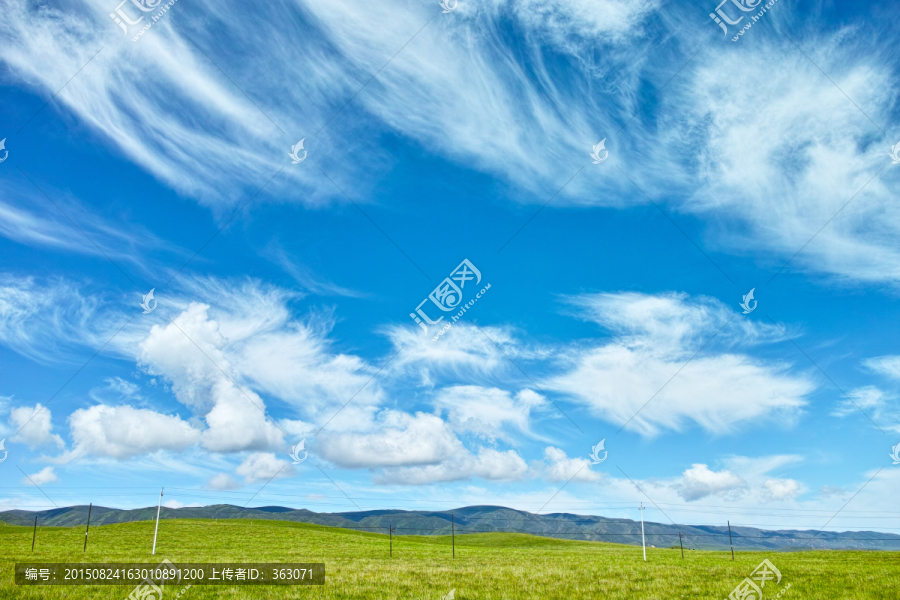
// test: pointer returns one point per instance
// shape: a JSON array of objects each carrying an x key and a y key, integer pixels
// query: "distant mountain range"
[{"x": 481, "y": 519}]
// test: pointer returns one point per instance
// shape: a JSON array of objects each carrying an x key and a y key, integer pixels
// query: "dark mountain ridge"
[{"x": 482, "y": 519}]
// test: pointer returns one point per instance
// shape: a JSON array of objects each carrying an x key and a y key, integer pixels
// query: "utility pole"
[
  {"x": 643, "y": 541},
  {"x": 158, "y": 507},
  {"x": 729, "y": 540},
  {"x": 88, "y": 526},
  {"x": 33, "y": 535},
  {"x": 680, "y": 543},
  {"x": 452, "y": 533}
]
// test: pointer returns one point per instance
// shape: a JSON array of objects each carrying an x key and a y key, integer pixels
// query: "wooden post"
[
  {"x": 33, "y": 535},
  {"x": 680, "y": 543},
  {"x": 453, "y": 534},
  {"x": 391, "y": 537},
  {"x": 88, "y": 526},
  {"x": 729, "y": 540}
]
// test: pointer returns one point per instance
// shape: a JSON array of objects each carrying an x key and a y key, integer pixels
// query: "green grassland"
[{"x": 487, "y": 566}]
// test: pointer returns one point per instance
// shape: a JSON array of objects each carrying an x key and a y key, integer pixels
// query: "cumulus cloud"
[
  {"x": 774, "y": 490},
  {"x": 263, "y": 466},
  {"x": 247, "y": 332},
  {"x": 122, "y": 432},
  {"x": 400, "y": 440},
  {"x": 486, "y": 463},
  {"x": 742, "y": 477},
  {"x": 36, "y": 426},
  {"x": 488, "y": 411},
  {"x": 188, "y": 353},
  {"x": 699, "y": 482},
  {"x": 654, "y": 337},
  {"x": 559, "y": 468},
  {"x": 45, "y": 475},
  {"x": 222, "y": 481}
]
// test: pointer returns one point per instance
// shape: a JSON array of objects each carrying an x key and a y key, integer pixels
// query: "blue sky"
[{"x": 285, "y": 289}]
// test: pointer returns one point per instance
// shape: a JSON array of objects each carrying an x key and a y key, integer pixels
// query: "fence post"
[
  {"x": 729, "y": 540},
  {"x": 158, "y": 507},
  {"x": 33, "y": 535},
  {"x": 680, "y": 543},
  {"x": 453, "y": 534},
  {"x": 88, "y": 526},
  {"x": 643, "y": 541}
]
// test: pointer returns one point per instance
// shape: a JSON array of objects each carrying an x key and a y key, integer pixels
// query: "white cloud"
[
  {"x": 304, "y": 276},
  {"x": 463, "y": 351},
  {"x": 742, "y": 477},
  {"x": 470, "y": 104},
  {"x": 189, "y": 355},
  {"x": 655, "y": 337},
  {"x": 400, "y": 440},
  {"x": 487, "y": 411},
  {"x": 263, "y": 466},
  {"x": 747, "y": 143},
  {"x": 564, "y": 19},
  {"x": 36, "y": 426},
  {"x": 28, "y": 217},
  {"x": 699, "y": 482},
  {"x": 246, "y": 329},
  {"x": 45, "y": 475},
  {"x": 559, "y": 468},
  {"x": 774, "y": 490},
  {"x": 222, "y": 481},
  {"x": 37, "y": 320},
  {"x": 487, "y": 463},
  {"x": 150, "y": 113},
  {"x": 889, "y": 365},
  {"x": 596, "y": 58},
  {"x": 122, "y": 432},
  {"x": 869, "y": 399}
]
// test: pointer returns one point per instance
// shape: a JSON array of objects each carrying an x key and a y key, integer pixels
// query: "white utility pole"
[
  {"x": 155, "y": 531},
  {"x": 643, "y": 542}
]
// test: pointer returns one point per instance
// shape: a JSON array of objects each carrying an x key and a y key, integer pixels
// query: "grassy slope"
[{"x": 493, "y": 565}]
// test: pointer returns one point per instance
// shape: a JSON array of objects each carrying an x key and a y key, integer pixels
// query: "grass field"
[{"x": 493, "y": 565}]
